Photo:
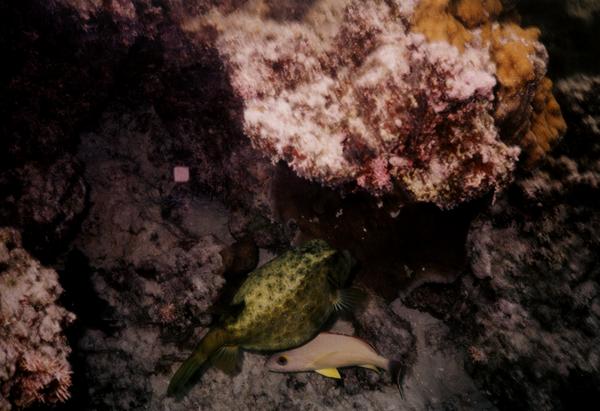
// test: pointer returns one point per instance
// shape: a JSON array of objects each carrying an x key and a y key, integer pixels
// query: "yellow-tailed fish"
[
  {"x": 281, "y": 305},
  {"x": 328, "y": 351}
]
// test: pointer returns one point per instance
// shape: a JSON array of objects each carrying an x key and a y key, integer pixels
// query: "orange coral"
[
  {"x": 512, "y": 49},
  {"x": 433, "y": 19},
  {"x": 474, "y": 13},
  {"x": 547, "y": 123},
  {"x": 445, "y": 20},
  {"x": 511, "y": 45}
]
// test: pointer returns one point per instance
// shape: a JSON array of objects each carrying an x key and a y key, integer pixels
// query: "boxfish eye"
[{"x": 282, "y": 361}]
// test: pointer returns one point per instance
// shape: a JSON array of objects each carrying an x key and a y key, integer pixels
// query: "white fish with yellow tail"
[{"x": 328, "y": 351}]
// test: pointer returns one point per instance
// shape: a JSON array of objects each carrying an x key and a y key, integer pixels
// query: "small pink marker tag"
[{"x": 181, "y": 174}]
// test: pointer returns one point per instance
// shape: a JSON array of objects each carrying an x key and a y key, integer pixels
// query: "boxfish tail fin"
[
  {"x": 396, "y": 370},
  {"x": 209, "y": 345},
  {"x": 349, "y": 299}
]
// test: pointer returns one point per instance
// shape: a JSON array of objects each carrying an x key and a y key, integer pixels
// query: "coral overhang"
[{"x": 432, "y": 98}]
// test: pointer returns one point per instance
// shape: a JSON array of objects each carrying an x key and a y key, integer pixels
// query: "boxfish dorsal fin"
[
  {"x": 228, "y": 312},
  {"x": 330, "y": 372}
]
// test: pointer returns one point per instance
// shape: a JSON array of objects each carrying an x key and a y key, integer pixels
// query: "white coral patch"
[{"x": 290, "y": 121}]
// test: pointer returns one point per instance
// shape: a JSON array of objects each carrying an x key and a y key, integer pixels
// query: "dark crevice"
[{"x": 92, "y": 313}]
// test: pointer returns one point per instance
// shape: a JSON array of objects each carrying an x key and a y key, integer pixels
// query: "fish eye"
[{"x": 282, "y": 361}]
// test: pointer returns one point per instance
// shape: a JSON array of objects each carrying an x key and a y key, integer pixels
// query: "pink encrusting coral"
[
  {"x": 349, "y": 95},
  {"x": 33, "y": 350}
]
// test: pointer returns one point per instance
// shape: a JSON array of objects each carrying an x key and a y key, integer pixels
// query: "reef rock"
[
  {"x": 152, "y": 255},
  {"x": 536, "y": 296},
  {"x": 46, "y": 201},
  {"x": 156, "y": 256},
  {"x": 390, "y": 96},
  {"x": 156, "y": 227},
  {"x": 102, "y": 99},
  {"x": 33, "y": 350}
]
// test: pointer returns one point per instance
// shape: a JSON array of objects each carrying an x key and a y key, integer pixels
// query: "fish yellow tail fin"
[{"x": 209, "y": 345}]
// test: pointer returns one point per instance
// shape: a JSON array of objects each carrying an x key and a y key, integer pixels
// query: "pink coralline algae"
[
  {"x": 350, "y": 96},
  {"x": 33, "y": 350}
]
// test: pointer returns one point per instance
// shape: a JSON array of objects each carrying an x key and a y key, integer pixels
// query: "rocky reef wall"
[{"x": 297, "y": 121}]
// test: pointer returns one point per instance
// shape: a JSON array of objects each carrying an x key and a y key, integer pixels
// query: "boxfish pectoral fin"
[
  {"x": 226, "y": 359},
  {"x": 349, "y": 299},
  {"x": 329, "y": 372}
]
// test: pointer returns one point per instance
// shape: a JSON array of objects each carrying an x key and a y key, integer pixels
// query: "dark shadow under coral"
[{"x": 394, "y": 246}]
